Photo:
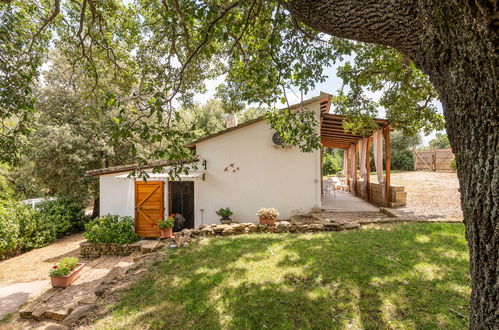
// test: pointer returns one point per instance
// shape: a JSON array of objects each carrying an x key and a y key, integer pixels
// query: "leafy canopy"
[{"x": 166, "y": 50}]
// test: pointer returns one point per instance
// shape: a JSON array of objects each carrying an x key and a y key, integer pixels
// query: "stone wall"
[
  {"x": 183, "y": 238},
  {"x": 95, "y": 250}
]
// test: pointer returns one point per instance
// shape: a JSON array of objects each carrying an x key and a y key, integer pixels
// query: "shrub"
[
  {"x": 34, "y": 229},
  {"x": 402, "y": 160},
  {"x": 111, "y": 229},
  {"x": 66, "y": 213},
  {"x": 452, "y": 164},
  {"x": 9, "y": 231}
]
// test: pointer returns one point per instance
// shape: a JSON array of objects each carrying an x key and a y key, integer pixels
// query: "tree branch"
[
  {"x": 384, "y": 22},
  {"x": 47, "y": 21}
]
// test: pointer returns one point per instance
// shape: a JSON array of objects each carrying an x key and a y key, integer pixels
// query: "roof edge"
[
  {"x": 314, "y": 99},
  {"x": 131, "y": 167}
]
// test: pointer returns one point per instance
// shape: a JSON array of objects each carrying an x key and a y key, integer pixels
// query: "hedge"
[{"x": 23, "y": 228}]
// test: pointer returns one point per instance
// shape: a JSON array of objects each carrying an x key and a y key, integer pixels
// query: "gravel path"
[
  {"x": 430, "y": 195},
  {"x": 35, "y": 264}
]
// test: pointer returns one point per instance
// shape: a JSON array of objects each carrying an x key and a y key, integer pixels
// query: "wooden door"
[{"x": 149, "y": 207}]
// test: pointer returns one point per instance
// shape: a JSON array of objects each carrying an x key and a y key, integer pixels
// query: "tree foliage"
[
  {"x": 440, "y": 141},
  {"x": 166, "y": 50},
  {"x": 400, "y": 150}
]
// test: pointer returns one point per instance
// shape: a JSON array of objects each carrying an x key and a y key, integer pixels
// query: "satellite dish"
[{"x": 276, "y": 138}]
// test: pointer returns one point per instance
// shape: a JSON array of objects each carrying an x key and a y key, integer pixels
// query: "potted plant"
[
  {"x": 65, "y": 272},
  {"x": 225, "y": 213},
  {"x": 267, "y": 216},
  {"x": 166, "y": 226}
]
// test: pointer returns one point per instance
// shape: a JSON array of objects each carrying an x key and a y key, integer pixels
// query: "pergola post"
[
  {"x": 347, "y": 174},
  {"x": 386, "y": 133},
  {"x": 368, "y": 169},
  {"x": 355, "y": 167}
]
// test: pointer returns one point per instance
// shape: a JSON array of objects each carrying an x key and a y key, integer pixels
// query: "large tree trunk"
[{"x": 454, "y": 43}]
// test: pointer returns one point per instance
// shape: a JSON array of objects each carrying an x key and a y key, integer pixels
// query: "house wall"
[
  {"x": 264, "y": 176},
  {"x": 117, "y": 195}
]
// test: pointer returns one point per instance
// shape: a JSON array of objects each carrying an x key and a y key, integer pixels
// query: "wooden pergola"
[{"x": 334, "y": 136}]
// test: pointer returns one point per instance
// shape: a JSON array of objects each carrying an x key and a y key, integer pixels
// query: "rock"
[
  {"x": 301, "y": 228},
  {"x": 262, "y": 228},
  {"x": 331, "y": 226},
  {"x": 252, "y": 228},
  {"x": 351, "y": 225},
  {"x": 228, "y": 232},
  {"x": 57, "y": 314},
  {"x": 202, "y": 226},
  {"x": 207, "y": 231},
  {"x": 50, "y": 326},
  {"x": 270, "y": 229},
  {"x": 182, "y": 241},
  {"x": 108, "y": 280},
  {"x": 195, "y": 232},
  {"x": 238, "y": 227},
  {"x": 220, "y": 228},
  {"x": 150, "y": 246},
  {"x": 316, "y": 227},
  {"x": 292, "y": 228},
  {"x": 77, "y": 314},
  {"x": 185, "y": 232},
  {"x": 282, "y": 227}
]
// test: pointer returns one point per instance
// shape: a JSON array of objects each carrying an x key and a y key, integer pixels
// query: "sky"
[{"x": 330, "y": 85}]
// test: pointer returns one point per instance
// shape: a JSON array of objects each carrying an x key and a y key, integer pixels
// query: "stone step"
[{"x": 151, "y": 246}]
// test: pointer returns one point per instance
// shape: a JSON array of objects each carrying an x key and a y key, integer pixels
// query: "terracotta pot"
[
  {"x": 267, "y": 221},
  {"x": 166, "y": 233},
  {"x": 65, "y": 281}
]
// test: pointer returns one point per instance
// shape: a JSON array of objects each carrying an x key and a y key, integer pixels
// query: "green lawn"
[{"x": 395, "y": 276}]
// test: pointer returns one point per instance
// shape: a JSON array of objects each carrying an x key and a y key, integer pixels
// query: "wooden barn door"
[{"x": 149, "y": 207}]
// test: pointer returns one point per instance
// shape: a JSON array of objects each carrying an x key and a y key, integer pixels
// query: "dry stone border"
[
  {"x": 312, "y": 223},
  {"x": 96, "y": 250}
]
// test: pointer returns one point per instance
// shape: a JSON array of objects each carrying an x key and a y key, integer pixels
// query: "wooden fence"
[{"x": 433, "y": 160}]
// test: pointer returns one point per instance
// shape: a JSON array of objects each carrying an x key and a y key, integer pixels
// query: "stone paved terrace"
[{"x": 346, "y": 202}]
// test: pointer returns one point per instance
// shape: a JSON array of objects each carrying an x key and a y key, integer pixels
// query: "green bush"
[
  {"x": 402, "y": 160},
  {"x": 9, "y": 231},
  {"x": 453, "y": 165},
  {"x": 34, "y": 229},
  {"x": 66, "y": 213},
  {"x": 111, "y": 229},
  {"x": 332, "y": 163}
]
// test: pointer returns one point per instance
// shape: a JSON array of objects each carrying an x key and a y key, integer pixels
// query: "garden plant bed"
[
  {"x": 382, "y": 276},
  {"x": 66, "y": 280}
]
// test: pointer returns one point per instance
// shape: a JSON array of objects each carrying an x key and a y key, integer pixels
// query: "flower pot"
[
  {"x": 267, "y": 221},
  {"x": 225, "y": 221},
  {"x": 65, "y": 281},
  {"x": 166, "y": 233}
]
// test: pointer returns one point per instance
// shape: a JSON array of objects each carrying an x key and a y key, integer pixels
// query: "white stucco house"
[{"x": 240, "y": 167}]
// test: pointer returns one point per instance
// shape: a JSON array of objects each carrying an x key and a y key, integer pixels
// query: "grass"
[
  {"x": 7, "y": 318},
  {"x": 393, "y": 276}
]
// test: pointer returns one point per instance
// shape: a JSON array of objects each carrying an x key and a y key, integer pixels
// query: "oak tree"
[{"x": 266, "y": 47}]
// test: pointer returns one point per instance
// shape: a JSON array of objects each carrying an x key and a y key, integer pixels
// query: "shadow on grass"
[{"x": 389, "y": 277}]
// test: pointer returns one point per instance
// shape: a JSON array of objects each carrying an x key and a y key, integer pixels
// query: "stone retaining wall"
[
  {"x": 182, "y": 238},
  {"x": 95, "y": 250}
]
